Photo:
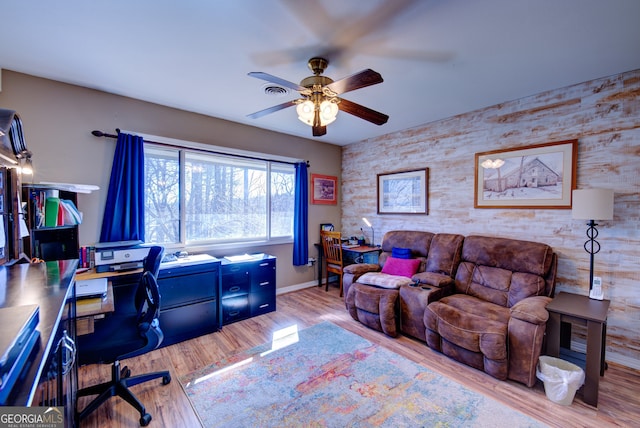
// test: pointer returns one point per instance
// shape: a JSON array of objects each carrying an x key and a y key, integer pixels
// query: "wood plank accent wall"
[{"x": 603, "y": 114}]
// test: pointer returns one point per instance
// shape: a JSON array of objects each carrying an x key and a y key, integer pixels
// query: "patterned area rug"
[{"x": 325, "y": 376}]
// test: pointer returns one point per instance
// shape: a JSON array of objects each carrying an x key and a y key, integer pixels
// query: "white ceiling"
[{"x": 438, "y": 58}]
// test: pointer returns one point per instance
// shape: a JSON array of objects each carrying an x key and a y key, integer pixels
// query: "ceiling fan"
[{"x": 320, "y": 103}]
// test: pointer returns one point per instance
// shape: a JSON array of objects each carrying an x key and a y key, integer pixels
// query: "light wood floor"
[{"x": 619, "y": 400}]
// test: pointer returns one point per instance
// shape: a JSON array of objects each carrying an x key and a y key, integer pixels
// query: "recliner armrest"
[
  {"x": 532, "y": 309},
  {"x": 358, "y": 269},
  {"x": 433, "y": 278}
]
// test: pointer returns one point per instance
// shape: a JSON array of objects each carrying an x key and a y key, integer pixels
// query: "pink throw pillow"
[{"x": 401, "y": 267}]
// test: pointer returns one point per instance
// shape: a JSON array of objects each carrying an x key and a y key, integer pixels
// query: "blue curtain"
[
  {"x": 301, "y": 217},
  {"x": 123, "y": 218}
]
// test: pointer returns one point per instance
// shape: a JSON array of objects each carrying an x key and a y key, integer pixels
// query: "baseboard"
[
  {"x": 611, "y": 357},
  {"x": 296, "y": 287}
]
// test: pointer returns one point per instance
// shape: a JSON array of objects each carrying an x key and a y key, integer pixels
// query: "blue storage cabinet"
[
  {"x": 189, "y": 298},
  {"x": 248, "y": 287}
]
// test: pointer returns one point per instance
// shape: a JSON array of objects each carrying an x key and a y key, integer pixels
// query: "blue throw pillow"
[{"x": 401, "y": 253}]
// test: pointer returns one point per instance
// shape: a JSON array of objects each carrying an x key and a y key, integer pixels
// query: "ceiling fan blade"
[
  {"x": 294, "y": 55},
  {"x": 339, "y": 35},
  {"x": 272, "y": 109},
  {"x": 359, "y": 80},
  {"x": 273, "y": 79},
  {"x": 313, "y": 16},
  {"x": 377, "y": 20},
  {"x": 380, "y": 51},
  {"x": 362, "y": 112}
]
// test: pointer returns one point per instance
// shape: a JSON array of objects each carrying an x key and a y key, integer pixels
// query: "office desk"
[
  {"x": 50, "y": 285},
  {"x": 577, "y": 309},
  {"x": 92, "y": 274},
  {"x": 189, "y": 304},
  {"x": 90, "y": 310},
  {"x": 357, "y": 255}
]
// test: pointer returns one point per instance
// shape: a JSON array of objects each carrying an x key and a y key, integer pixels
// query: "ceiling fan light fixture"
[
  {"x": 318, "y": 106},
  {"x": 328, "y": 112},
  {"x": 305, "y": 112},
  {"x": 327, "y": 109}
]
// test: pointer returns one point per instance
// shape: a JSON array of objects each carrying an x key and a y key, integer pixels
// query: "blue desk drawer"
[
  {"x": 180, "y": 290},
  {"x": 265, "y": 286},
  {"x": 235, "y": 308},
  {"x": 261, "y": 303},
  {"x": 263, "y": 276},
  {"x": 187, "y": 322},
  {"x": 235, "y": 283}
]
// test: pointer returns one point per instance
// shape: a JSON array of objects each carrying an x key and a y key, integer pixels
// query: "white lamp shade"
[
  {"x": 592, "y": 204},
  {"x": 328, "y": 112},
  {"x": 305, "y": 112}
]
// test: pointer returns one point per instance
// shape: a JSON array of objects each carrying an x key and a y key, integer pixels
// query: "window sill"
[{"x": 228, "y": 247}]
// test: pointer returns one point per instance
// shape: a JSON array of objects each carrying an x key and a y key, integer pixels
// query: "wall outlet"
[{"x": 311, "y": 261}]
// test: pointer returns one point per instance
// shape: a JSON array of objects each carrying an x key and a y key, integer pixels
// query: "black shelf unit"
[
  {"x": 49, "y": 243},
  {"x": 9, "y": 197}
]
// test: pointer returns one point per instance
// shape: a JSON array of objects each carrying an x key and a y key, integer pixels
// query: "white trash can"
[{"x": 561, "y": 379}]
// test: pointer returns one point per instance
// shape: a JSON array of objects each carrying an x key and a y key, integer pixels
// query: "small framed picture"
[
  {"x": 326, "y": 227},
  {"x": 403, "y": 192},
  {"x": 324, "y": 189}
]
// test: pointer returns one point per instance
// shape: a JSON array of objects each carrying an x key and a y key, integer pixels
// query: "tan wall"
[
  {"x": 604, "y": 115},
  {"x": 58, "y": 119}
]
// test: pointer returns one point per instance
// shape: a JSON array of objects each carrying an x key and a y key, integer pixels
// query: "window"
[{"x": 195, "y": 197}]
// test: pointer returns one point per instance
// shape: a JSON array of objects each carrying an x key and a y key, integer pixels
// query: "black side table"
[{"x": 580, "y": 310}]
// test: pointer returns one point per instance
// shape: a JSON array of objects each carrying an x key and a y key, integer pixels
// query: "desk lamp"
[
  {"x": 373, "y": 236},
  {"x": 592, "y": 205}
]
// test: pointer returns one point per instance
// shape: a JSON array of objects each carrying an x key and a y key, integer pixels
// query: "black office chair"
[
  {"x": 153, "y": 260},
  {"x": 144, "y": 335}
]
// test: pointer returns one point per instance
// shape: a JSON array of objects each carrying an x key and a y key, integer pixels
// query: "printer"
[{"x": 120, "y": 256}]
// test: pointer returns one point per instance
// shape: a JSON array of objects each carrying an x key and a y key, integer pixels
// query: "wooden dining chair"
[{"x": 332, "y": 248}]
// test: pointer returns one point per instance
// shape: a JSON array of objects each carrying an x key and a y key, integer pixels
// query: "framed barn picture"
[{"x": 538, "y": 176}]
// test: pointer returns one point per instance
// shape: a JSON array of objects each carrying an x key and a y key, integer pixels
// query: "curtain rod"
[{"x": 104, "y": 134}]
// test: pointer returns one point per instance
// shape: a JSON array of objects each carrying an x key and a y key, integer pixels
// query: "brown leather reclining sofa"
[{"x": 479, "y": 300}]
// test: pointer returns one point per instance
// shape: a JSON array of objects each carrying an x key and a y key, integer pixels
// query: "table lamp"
[
  {"x": 373, "y": 236},
  {"x": 592, "y": 205}
]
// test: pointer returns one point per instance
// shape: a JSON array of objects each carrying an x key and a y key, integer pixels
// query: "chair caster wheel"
[
  {"x": 166, "y": 379},
  {"x": 145, "y": 419},
  {"x": 125, "y": 372}
]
